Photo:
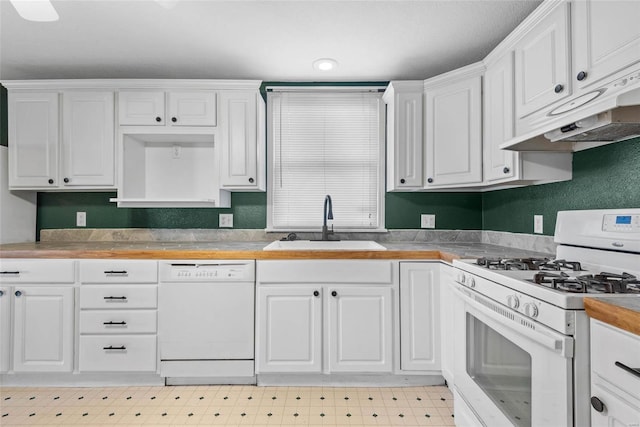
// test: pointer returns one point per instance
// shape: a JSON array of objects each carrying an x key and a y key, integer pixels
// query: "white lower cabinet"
[
  {"x": 43, "y": 328},
  {"x": 325, "y": 316},
  {"x": 290, "y": 329},
  {"x": 615, "y": 376},
  {"x": 37, "y": 315},
  {"x": 419, "y": 316},
  {"x": 118, "y": 316}
]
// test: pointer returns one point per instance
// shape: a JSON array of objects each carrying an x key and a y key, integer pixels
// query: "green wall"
[{"x": 603, "y": 177}]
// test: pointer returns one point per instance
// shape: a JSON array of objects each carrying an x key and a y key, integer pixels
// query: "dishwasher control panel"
[{"x": 214, "y": 271}]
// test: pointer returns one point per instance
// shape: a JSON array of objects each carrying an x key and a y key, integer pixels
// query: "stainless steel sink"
[{"x": 324, "y": 245}]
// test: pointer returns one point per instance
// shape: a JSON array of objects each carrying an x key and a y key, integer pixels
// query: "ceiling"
[{"x": 264, "y": 40}]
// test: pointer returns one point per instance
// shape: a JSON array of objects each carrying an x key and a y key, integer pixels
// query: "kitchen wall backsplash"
[{"x": 606, "y": 177}]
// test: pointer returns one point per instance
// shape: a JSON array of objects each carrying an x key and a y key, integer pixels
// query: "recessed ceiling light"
[
  {"x": 35, "y": 10},
  {"x": 325, "y": 64}
]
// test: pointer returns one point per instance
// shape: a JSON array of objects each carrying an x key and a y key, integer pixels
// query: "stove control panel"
[{"x": 621, "y": 223}]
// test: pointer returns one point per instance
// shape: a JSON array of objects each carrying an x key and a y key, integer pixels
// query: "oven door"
[{"x": 509, "y": 370}]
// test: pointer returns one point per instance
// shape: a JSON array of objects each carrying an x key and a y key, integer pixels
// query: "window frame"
[{"x": 381, "y": 159}]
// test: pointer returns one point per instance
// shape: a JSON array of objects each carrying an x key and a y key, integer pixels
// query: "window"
[{"x": 325, "y": 142}]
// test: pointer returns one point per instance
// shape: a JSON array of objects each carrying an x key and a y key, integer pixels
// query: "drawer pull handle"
[
  {"x": 114, "y": 348},
  {"x": 115, "y": 298},
  {"x": 10, "y": 272},
  {"x": 118, "y": 273},
  {"x": 632, "y": 371},
  {"x": 114, "y": 323}
]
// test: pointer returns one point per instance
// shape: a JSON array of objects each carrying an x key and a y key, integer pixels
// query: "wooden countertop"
[{"x": 622, "y": 312}]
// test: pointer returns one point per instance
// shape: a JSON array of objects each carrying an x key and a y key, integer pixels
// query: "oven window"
[{"x": 501, "y": 369}]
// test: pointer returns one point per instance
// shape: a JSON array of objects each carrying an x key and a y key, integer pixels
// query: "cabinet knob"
[
  {"x": 158, "y": 119},
  {"x": 506, "y": 170},
  {"x": 402, "y": 181},
  {"x": 251, "y": 180},
  {"x": 429, "y": 180},
  {"x": 174, "y": 119},
  {"x": 316, "y": 293},
  {"x": 597, "y": 404},
  {"x": 18, "y": 293},
  {"x": 558, "y": 88},
  {"x": 1, "y": 293},
  {"x": 66, "y": 180},
  {"x": 334, "y": 294},
  {"x": 581, "y": 75},
  {"x": 51, "y": 181}
]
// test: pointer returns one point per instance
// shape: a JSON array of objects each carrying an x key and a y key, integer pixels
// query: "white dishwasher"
[{"x": 206, "y": 322}]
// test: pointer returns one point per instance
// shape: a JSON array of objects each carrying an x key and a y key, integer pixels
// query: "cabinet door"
[
  {"x": 498, "y": 120},
  {"x": 5, "y": 328},
  {"x": 542, "y": 63},
  {"x": 43, "y": 329},
  {"x": 33, "y": 140},
  {"x": 453, "y": 131},
  {"x": 141, "y": 108},
  {"x": 419, "y": 316},
  {"x": 88, "y": 139},
  {"x": 360, "y": 329},
  {"x": 192, "y": 108},
  {"x": 618, "y": 412},
  {"x": 289, "y": 329},
  {"x": 404, "y": 135},
  {"x": 240, "y": 139},
  {"x": 606, "y": 38}
]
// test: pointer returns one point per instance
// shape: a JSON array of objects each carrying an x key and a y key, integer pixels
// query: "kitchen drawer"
[
  {"x": 118, "y": 271},
  {"x": 118, "y": 297},
  {"x": 37, "y": 271},
  {"x": 118, "y": 322},
  {"x": 325, "y": 271},
  {"x": 610, "y": 345},
  {"x": 117, "y": 353}
]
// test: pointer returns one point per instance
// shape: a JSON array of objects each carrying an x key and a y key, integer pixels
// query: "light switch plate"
[
  {"x": 427, "y": 221},
  {"x": 225, "y": 220},
  {"x": 81, "y": 219},
  {"x": 538, "y": 224}
]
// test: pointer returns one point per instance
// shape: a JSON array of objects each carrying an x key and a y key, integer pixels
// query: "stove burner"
[
  {"x": 561, "y": 264},
  {"x": 512, "y": 263},
  {"x": 603, "y": 283}
]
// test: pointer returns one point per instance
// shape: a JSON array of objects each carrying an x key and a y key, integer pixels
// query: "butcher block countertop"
[
  {"x": 249, "y": 250},
  {"x": 623, "y": 312}
]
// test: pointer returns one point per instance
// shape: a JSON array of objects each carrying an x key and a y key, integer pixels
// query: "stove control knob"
[
  {"x": 513, "y": 301},
  {"x": 471, "y": 282},
  {"x": 530, "y": 310},
  {"x": 461, "y": 278}
]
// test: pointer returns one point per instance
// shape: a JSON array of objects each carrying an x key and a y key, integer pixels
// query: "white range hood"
[{"x": 603, "y": 115}]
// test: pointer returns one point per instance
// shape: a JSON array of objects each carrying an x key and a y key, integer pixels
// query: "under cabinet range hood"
[{"x": 606, "y": 114}]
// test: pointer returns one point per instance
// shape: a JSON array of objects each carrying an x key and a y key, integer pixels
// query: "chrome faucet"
[{"x": 327, "y": 215}]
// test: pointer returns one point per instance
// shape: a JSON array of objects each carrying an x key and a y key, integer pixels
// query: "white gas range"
[{"x": 522, "y": 336}]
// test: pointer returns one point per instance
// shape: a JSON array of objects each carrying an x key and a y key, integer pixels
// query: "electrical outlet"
[
  {"x": 81, "y": 219},
  {"x": 538, "y": 224},
  {"x": 225, "y": 220},
  {"x": 427, "y": 221}
]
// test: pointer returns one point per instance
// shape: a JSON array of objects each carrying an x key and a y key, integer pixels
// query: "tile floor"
[{"x": 227, "y": 405}]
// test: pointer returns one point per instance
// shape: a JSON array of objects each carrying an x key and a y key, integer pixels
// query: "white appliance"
[
  {"x": 17, "y": 208},
  {"x": 206, "y": 322},
  {"x": 521, "y": 333}
]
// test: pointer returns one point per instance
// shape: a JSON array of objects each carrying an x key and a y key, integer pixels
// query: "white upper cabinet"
[
  {"x": 58, "y": 148},
  {"x": 33, "y": 139},
  {"x": 453, "y": 128},
  {"x": 542, "y": 62},
  {"x": 87, "y": 139},
  {"x": 172, "y": 108},
  {"x": 606, "y": 38},
  {"x": 498, "y": 119},
  {"x": 404, "y": 135},
  {"x": 243, "y": 140}
]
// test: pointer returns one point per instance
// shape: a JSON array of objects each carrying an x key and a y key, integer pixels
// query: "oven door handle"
[{"x": 501, "y": 316}]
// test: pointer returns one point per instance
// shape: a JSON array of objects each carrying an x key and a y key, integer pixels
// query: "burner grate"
[{"x": 602, "y": 283}]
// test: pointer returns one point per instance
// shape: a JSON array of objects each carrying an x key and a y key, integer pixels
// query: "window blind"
[{"x": 325, "y": 143}]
